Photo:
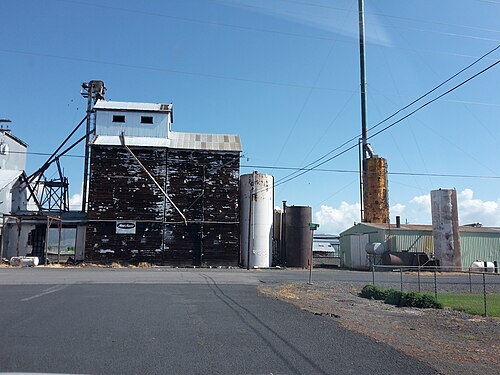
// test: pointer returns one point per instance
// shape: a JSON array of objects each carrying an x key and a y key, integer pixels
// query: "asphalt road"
[{"x": 188, "y": 322}]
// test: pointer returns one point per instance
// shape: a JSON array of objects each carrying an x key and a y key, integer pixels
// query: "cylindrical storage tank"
[
  {"x": 375, "y": 192},
  {"x": 24, "y": 261},
  {"x": 256, "y": 218},
  {"x": 374, "y": 248},
  {"x": 445, "y": 231},
  {"x": 480, "y": 266},
  {"x": 298, "y": 236}
]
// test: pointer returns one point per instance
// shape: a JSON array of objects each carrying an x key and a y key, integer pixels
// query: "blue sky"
[{"x": 283, "y": 74}]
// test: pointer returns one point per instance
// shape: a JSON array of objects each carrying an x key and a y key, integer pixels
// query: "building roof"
[
  {"x": 198, "y": 141},
  {"x": 114, "y": 140},
  {"x": 7, "y": 176},
  {"x": 428, "y": 227},
  {"x": 132, "y": 106},
  {"x": 178, "y": 140},
  {"x": 7, "y": 132}
]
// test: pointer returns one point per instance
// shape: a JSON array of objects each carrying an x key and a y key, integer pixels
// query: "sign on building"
[{"x": 125, "y": 227}]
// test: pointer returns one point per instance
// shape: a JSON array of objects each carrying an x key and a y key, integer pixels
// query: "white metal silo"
[
  {"x": 445, "y": 230},
  {"x": 256, "y": 218}
]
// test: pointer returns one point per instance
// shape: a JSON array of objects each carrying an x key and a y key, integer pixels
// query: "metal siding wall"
[
  {"x": 375, "y": 235},
  {"x": 345, "y": 251},
  {"x": 412, "y": 241},
  {"x": 479, "y": 246},
  {"x": 132, "y": 125}
]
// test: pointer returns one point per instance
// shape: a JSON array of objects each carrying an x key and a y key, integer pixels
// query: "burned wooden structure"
[{"x": 161, "y": 196}]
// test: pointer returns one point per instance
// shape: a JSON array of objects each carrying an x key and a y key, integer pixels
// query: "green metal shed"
[{"x": 477, "y": 243}]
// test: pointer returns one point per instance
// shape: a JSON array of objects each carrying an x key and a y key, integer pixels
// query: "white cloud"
[
  {"x": 398, "y": 209},
  {"x": 75, "y": 202},
  {"x": 472, "y": 210},
  {"x": 422, "y": 203},
  {"x": 335, "y": 220}
]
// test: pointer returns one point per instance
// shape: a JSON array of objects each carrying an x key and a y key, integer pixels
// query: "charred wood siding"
[{"x": 203, "y": 185}]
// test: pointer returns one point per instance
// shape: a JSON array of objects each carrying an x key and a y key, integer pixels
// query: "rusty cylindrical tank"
[
  {"x": 298, "y": 236},
  {"x": 375, "y": 191}
]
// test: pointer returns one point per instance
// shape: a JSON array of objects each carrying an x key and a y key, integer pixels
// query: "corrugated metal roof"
[
  {"x": 198, "y": 141},
  {"x": 132, "y": 106},
  {"x": 427, "y": 227},
  {"x": 177, "y": 140}
]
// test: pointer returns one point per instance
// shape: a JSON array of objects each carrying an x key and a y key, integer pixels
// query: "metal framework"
[{"x": 52, "y": 194}]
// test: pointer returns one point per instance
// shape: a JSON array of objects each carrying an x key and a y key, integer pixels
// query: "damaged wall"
[{"x": 129, "y": 218}]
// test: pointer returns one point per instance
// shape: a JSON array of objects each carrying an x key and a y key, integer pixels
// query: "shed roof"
[
  {"x": 428, "y": 227},
  {"x": 132, "y": 106}
]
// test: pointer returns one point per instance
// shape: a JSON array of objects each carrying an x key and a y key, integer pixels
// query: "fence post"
[
  {"x": 470, "y": 282},
  {"x": 484, "y": 293},
  {"x": 418, "y": 277},
  {"x": 373, "y": 269},
  {"x": 435, "y": 285},
  {"x": 401, "y": 277}
]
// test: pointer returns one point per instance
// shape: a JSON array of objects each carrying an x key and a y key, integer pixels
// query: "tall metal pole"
[
  {"x": 87, "y": 140},
  {"x": 364, "y": 134},
  {"x": 311, "y": 257}
]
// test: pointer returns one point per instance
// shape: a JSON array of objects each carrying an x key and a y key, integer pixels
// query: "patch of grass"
[{"x": 472, "y": 303}]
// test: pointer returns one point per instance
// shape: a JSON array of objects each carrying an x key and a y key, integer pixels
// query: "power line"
[
  {"x": 413, "y": 174},
  {"x": 175, "y": 71},
  {"x": 433, "y": 100},
  {"x": 44, "y": 154},
  {"x": 284, "y": 33},
  {"x": 306, "y": 169}
]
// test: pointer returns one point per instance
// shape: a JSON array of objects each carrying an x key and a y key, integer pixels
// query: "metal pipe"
[
  {"x": 435, "y": 285},
  {"x": 311, "y": 256},
  {"x": 49, "y": 160},
  {"x": 59, "y": 244},
  {"x": 18, "y": 222},
  {"x": 283, "y": 234},
  {"x": 361, "y": 181},
  {"x": 484, "y": 294},
  {"x": 2, "y": 238},
  {"x": 46, "y": 249},
  {"x": 401, "y": 277},
  {"x": 250, "y": 221},
  {"x": 122, "y": 140},
  {"x": 87, "y": 141},
  {"x": 362, "y": 69}
]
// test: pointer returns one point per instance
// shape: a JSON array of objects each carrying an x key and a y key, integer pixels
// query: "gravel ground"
[{"x": 450, "y": 341}]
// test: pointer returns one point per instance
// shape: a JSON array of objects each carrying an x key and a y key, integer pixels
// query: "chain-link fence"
[{"x": 442, "y": 282}]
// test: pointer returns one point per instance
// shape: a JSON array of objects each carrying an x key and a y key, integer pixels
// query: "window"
[
  {"x": 146, "y": 119},
  {"x": 118, "y": 118}
]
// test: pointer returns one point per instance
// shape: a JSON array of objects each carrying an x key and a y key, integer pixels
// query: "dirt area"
[{"x": 452, "y": 342}]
